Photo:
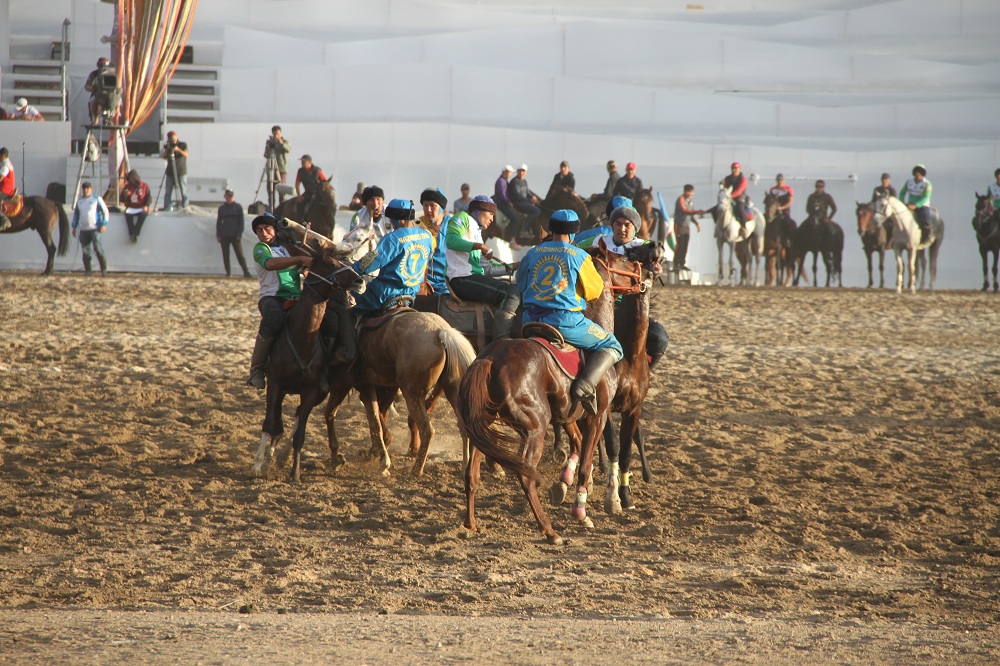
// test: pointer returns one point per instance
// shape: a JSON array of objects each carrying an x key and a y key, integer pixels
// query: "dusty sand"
[{"x": 826, "y": 491}]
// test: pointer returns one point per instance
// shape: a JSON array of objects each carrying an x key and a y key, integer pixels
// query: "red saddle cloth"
[
  {"x": 12, "y": 207},
  {"x": 569, "y": 359}
]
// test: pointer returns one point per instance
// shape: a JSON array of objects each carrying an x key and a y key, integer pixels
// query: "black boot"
[
  {"x": 503, "y": 317},
  {"x": 347, "y": 343},
  {"x": 258, "y": 362},
  {"x": 585, "y": 387},
  {"x": 86, "y": 266}
]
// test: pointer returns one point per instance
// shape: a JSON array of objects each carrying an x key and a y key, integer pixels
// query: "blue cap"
[{"x": 617, "y": 202}]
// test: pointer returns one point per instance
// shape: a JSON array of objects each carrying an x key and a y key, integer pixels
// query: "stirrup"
[{"x": 257, "y": 379}]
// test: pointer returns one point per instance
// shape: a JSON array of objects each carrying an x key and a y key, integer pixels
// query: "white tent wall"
[{"x": 440, "y": 92}]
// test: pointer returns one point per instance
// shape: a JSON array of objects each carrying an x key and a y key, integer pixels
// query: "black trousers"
[
  {"x": 234, "y": 242},
  {"x": 681, "y": 251},
  {"x": 135, "y": 222},
  {"x": 481, "y": 289}
]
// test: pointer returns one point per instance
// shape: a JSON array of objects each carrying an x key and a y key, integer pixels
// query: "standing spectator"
[
  {"x": 229, "y": 232},
  {"x": 916, "y": 194},
  {"x": 523, "y": 199},
  {"x": 564, "y": 178},
  {"x": 90, "y": 217},
  {"x": 502, "y": 200},
  {"x": 279, "y": 147},
  {"x": 684, "y": 215},
  {"x": 820, "y": 205},
  {"x": 784, "y": 194},
  {"x": 629, "y": 184},
  {"x": 885, "y": 189},
  {"x": 462, "y": 203},
  {"x": 137, "y": 198},
  {"x": 24, "y": 111},
  {"x": 175, "y": 153}
]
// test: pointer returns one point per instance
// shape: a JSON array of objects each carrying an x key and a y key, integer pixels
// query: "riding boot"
[
  {"x": 503, "y": 318},
  {"x": 347, "y": 342},
  {"x": 258, "y": 362},
  {"x": 585, "y": 387}
]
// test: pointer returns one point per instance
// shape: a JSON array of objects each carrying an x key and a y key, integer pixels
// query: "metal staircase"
[
  {"x": 38, "y": 81},
  {"x": 193, "y": 94}
]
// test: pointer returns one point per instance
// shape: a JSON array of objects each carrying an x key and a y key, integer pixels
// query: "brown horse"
[
  {"x": 648, "y": 213},
  {"x": 987, "y": 226},
  {"x": 779, "y": 236},
  {"x": 565, "y": 198},
  {"x": 516, "y": 385},
  {"x": 320, "y": 212},
  {"x": 42, "y": 215},
  {"x": 875, "y": 238},
  {"x": 417, "y": 353},
  {"x": 297, "y": 363}
]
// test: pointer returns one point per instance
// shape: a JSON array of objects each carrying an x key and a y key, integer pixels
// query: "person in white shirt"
[
  {"x": 24, "y": 111},
  {"x": 90, "y": 218}
]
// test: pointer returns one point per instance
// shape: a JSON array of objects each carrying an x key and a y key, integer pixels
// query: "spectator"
[
  {"x": 684, "y": 215},
  {"x": 229, "y": 232},
  {"x": 90, "y": 218},
  {"x": 279, "y": 147},
  {"x": 523, "y": 199},
  {"x": 137, "y": 198},
  {"x": 564, "y": 178},
  {"x": 175, "y": 153},
  {"x": 629, "y": 184},
  {"x": 24, "y": 111},
  {"x": 356, "y": 202},
  {"x": 462, "y": 203},
  {"x": 502, "y": 200}
]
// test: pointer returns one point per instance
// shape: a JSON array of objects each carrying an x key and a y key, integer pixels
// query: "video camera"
[{"x": 106, "y": 94}]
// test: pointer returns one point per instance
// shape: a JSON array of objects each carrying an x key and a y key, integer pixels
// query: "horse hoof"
[
  {"x": 557, "y": 493},
  {"x": 556, "y": 540},
  {"x": 560, "y": 456},
  {"x": 586, "y": 522},
  {"x": 258, "y": 472},
  {"x": 625, "y": 494},
  {"x": 337, "y": 461},
  {"x": 612, "y": 503}
]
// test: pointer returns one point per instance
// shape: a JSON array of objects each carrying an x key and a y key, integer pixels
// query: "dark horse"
[
  {"x": 987, "y": 226},
  {"x": 779, "y": 241},
  {"x": 874, "y": 237},
  {"x": 319, "y": 213},
  {"x": 822, "y": 238},
  {"x": 297, "y": 363},
  {"x": 42, "y": 215},
  {"x": 516, "y": 385},
  {"x": 563, "y": 197}
]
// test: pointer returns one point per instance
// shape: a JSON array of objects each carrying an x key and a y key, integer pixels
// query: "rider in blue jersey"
[
  {"x": 557, "y": 280},
  {"x": 435, "y": 221}
]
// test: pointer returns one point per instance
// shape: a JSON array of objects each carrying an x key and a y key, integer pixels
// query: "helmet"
[
  {"x": 564, "y": 221},
  {"x": 265, "y": 218}
]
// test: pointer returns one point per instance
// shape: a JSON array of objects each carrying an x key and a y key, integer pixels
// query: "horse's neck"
[
  {"x": 305, "y": 318},
  {"x": 635, "y": 319}
]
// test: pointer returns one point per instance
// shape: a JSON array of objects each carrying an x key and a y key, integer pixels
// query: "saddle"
[
  {"x": 568, "y": 358},
  {"x": 13, "y": 206},
  {"x": 390, "y": 311},
  {"x": 473, "y": 320}
]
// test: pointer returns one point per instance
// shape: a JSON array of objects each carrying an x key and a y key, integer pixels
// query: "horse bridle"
[{"x": 635, "y": 275}]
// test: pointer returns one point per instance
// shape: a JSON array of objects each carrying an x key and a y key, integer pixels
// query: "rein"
[{"x": 636, "y": 275}]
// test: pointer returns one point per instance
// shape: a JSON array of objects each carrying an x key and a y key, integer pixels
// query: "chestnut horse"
[
  {"x": 987, "y": 226},
  {"x": 649, "y": 215},
  {"x": 297, "y": 364},
  {"x": 516, "y": 385},
  {"x": 319, "y": 214},
  {"x": 43, "y": 216},
  {"x": 874, "y": 238},
  {"x": 779, "y": 237}
]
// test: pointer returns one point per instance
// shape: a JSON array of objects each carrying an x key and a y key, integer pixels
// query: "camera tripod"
[
  {"x": 270, "y": 173},
  {"x": 118, "y": 138},
  {"x": 177, "y": 184}
]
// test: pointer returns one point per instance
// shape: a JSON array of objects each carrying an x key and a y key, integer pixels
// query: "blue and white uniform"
[{"x": 401, "y": 258}]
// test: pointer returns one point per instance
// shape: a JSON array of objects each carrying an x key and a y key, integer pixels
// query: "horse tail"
[
  {"x": 458, "y": 354},
  {"x": 63, "y": 230},
  {"x": 480, "y": 414}
]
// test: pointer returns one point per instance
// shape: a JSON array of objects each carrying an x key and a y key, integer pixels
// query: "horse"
[
  {"x": 516, "y": 385},
  {"x": 563, "y": 197},
  {"x": 43, "y": 216},
  {"x": 906, "y": 238},
  {"x": 649, "y": 215},
  {"x": 729, "y": 232},
  {"x": 874, "y": 238},
  {"x": 779, "y": 238},
  {"x": 320, "y": 213},
  {"x": 297, "y": 364},
  {"x": 416, "y": 353},
  {"x": 987, "y": 226},
  {"x": 823, "y": 238}
]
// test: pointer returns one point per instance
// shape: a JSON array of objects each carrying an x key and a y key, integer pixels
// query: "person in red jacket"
[
  {"x": 783, "y": 193},
  {"x": 738, "y": 182},
  {"x": 8, "y": 184},
  {"x": 136, "y": 197}
]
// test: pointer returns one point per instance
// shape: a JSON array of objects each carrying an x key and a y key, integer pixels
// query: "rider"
[
  {"x": 563, "y": 179},
  {"x": 470, "y": 273},
  {"x": 613, "y": 178},
  {"x": 436, "y": 222},
  {"x": 401, "y": 258},
  {"x": 370, "y": 217},
  {"x": 916, "y": 194},
  {"x": 308, "y": 178},
  {"x": 278, "y": 275},
  {"x": 8, "y": 185},
  {"x": 784, "y": 195},
  {"x": 625, "y": 222},
  {"x": 738, "y": 182},
  {"x": 557, "y": 280},
  {"x": 820, "y": 205},
  {"x": 994, "y": 189},
  {"x": 885, "y": 189},
  {"x": 605, "y": 229},
  {"x": 629, "y": 184}
]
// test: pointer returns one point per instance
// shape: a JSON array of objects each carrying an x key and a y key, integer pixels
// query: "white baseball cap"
[
  {"x": 509, "y": 168},
  {"x": 523, "y": 167},
  {"x": 21, "y": 103}
]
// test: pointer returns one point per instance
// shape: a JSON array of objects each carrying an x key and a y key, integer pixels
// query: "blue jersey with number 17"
[
  {"x": 548, "y": 274},
  {"x": 401, "y": 259}
]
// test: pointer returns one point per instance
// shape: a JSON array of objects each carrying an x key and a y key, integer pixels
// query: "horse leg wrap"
[
  {"x": 625, "y": 492},
  {"x": 569, "y": 471}
]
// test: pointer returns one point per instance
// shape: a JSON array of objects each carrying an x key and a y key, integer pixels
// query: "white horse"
[
  {"x": 729, "y": 232},
  {"x": 906, "y": 237}
]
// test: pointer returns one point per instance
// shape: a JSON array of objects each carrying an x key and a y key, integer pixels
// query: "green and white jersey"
[
  {"x": 463, "y": 235},
  {"x": 283, "y": 283}
]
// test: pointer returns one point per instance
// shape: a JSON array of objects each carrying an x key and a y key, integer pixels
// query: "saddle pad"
[
  {"x": 569, "y": 361},
  {"x": 462, "y": 306},
  {"x": 371, "y": 323},
  {"x": 12, "y": 207}
]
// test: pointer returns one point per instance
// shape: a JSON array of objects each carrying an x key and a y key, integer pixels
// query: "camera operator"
[
  {"x": 278, "y": 147},
  {"x": 105, "y": 95},
  {"x": 175, "y": 153}
]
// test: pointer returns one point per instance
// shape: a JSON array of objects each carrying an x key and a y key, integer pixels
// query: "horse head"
[
  {"x": 865, "y": 212},
  {"x": 650, "y": 257},
  {"x": 326, "y": 195},
  {"x": 624, "y": 274},
  {"x": 985, "y": 212}
]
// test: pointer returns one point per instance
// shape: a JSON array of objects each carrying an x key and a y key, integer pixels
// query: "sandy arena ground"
[{"x": 826, "y": 491}]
